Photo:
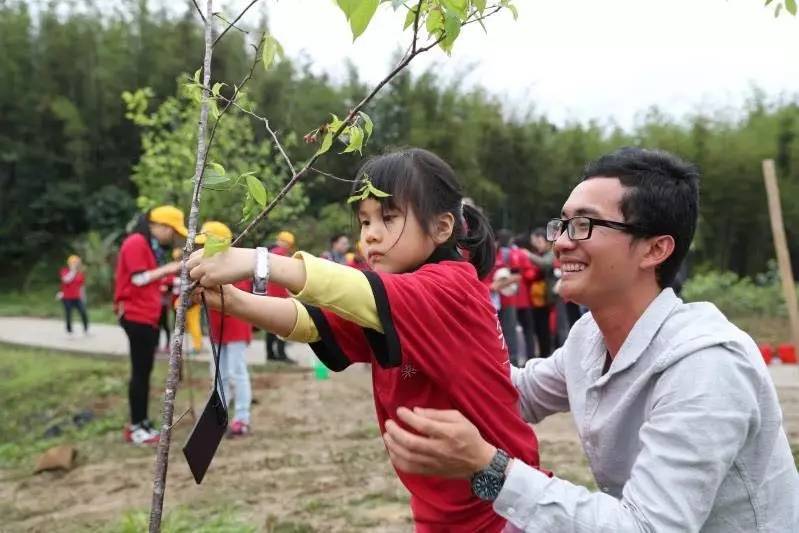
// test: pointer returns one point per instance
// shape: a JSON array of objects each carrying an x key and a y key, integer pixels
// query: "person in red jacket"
[
  {"x": 236, "y": 335},
  {"x": 137, "y": 303},
  {"x": 72, "y": 292},
  {"x": 275, "y": 346}
]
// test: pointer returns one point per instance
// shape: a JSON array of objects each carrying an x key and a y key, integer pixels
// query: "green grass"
[
  {"x": 43, "y": 388},
  {"x": 41, "y": 303},
  {"x": 206, "y": 519}
]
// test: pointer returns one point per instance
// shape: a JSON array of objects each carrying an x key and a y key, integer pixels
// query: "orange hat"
[
  {"x": 287, "y": 237},
  {"x": 212, "y": 227},
  {"x": 171, "y": 216}
]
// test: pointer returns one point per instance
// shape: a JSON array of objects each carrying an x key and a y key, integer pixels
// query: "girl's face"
[
  {"x": 393, "y": 241},
  {"x": 163, "y": 234}
]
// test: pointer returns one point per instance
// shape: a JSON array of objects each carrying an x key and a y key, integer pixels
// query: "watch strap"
[{"x": 261, "y": 271}]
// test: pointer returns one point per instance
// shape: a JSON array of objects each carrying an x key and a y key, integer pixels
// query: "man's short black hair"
[{"x": 662, "y": 197}]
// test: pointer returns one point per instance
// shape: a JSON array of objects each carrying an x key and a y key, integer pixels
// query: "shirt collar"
[{"x": 643, "y": 333}]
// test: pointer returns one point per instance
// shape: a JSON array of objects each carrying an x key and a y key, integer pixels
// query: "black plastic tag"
[{"x": 206, "y": 435}]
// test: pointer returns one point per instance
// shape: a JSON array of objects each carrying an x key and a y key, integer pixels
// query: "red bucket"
[
  {"x": 787, "y": 353},
  {"x": 767, "y": 352}
]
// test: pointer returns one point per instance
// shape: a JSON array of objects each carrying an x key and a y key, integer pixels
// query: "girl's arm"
[
  {"x": 275, "y": 315},
  {"x": 339, "y": 288},
  {"x": 143, "y": 278},
  {"x": 235, "y": 264}
]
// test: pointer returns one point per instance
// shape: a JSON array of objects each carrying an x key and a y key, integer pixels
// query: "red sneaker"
[
  {"x": 238, "y": 428},
  {"x": 140, "y": 435}
]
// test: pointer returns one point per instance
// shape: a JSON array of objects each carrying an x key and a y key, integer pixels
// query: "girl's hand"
[
  {"x": 213, "y": 297},
  {"x": 232, "y": 265}
]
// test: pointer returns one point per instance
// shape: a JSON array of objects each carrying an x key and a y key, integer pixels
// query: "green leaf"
[
  {"x": 366, "y": 190},
  {"x": 435, "y": 22},
  {"x": 777, "y": 10},
  {"x": 257, "y": 190},
  {"x": 374, "y": 191},
  {"x": 768, "y": 2},
  {"x": 216, "y": 169},
  {"x": 457, "y": 7},
  {"x": 217, "y": 87},
  {"x": 327, "y": 142},
  {"x": 356, "y": 140},
  {"x": 452, "y": 28},
  {"x": 514, "y": 11},
  {"x": 790, "y": 5},
  {"x": 334, "y": 124},
  {"x": 480, "y": 5},
  {"x": 214, "y": 108},
  {"x": 361, "y": 16},
  {"x": 409, "y": 18},
  {"x": 347, "y": 6},
  {"x": 214, "y": 245},
  {"x": 368, "y": 125},
  {"x": 197, "y": 76},
  {"x": 271, "y": 48}
]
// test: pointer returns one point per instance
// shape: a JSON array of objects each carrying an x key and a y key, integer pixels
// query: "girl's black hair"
[
  {"x": 142, "y": 225},
  {"x": 420, "y": 179}
]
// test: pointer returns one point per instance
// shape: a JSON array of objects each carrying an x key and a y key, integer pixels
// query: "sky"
[{"x": 574, "y": 60}]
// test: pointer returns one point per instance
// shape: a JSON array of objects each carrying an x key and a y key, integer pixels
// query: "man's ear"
[
  {"x": 443, "y": 227},
  {"x": 659, "y": 249}
]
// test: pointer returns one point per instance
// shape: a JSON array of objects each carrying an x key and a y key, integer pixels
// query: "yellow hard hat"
[
  {"x": 212, "y": 227},
  {"x": 171, "y": 216},
  {"x": 287, "y": 237}
]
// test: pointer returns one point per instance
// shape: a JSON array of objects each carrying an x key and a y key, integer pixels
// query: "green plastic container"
[{"x": 320, "y": 370}]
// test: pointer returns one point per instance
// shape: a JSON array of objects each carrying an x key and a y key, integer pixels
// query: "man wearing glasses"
[{"x": 675, "y": 408}]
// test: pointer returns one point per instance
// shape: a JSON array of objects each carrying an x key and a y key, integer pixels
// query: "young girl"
[
  {"x": 72, "y": 292},
  {"x": 236, "y": 336},
  {"x": 137, "y": 302},
  {"x": 421, "y": 317}
]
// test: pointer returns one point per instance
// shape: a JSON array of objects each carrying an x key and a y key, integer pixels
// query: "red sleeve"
[
  {"x": 80, "y": 278},
  {"x": 136, "y": 255},
  {"x": 342, "y": 342}
]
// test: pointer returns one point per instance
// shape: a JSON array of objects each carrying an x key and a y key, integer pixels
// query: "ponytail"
[{"x": 478, "y": 240}]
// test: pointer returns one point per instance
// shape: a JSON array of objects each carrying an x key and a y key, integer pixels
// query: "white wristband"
[{"x": 261, "y": 273}]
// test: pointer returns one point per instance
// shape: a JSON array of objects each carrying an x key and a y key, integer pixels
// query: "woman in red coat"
[{"x": 142, "y": 262}]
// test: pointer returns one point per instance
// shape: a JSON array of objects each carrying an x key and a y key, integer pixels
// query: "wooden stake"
[{"x": 781, "y": 245}]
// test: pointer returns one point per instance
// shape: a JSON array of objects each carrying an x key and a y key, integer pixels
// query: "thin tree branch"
[
  {"x": 483, "y": 17},
  {"x": 416, "y": 26},
  {"x": 187, "y": 411},
  {"x": 236, "y": 92},
  {"x": 297, "y": 176},
  {"x": 268, "y": 129},
  {"x": 176, "y": 352},
  {"x": 234, "y": 22},
  {"x": 223, "y": 19},
  {"x": 199, "y": 11},
  {"x": 329, "y": 175}
]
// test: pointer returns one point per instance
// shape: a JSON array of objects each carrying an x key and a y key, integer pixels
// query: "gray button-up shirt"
[{"x": 683, "y": 433}]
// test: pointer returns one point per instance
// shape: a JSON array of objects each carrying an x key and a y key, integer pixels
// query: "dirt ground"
[{"x": 315, "y": 462}]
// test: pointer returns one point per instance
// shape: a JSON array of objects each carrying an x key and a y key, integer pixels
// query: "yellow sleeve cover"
[{"x": 338, "y": 288}]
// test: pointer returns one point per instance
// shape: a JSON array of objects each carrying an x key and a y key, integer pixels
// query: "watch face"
[{"x": 487, "y": 484}]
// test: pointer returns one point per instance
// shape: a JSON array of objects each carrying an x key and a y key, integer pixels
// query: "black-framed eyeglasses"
[{"x": 580, "y": 228}]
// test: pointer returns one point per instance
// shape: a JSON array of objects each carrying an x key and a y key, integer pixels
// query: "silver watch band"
[{"x": 261, "y": 271}]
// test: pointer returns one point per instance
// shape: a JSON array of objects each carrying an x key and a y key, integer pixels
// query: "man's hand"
[
  {"x": 232, "y": 265},
  {"x": 448, "y": 445}
]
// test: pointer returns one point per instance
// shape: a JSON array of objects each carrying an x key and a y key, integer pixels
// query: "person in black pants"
[{"x": 137, "y": 302}]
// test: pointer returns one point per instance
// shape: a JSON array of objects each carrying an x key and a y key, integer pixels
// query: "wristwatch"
[
  {"x": 487, "y": 483},
  {"x": 261, "y": 272}
]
